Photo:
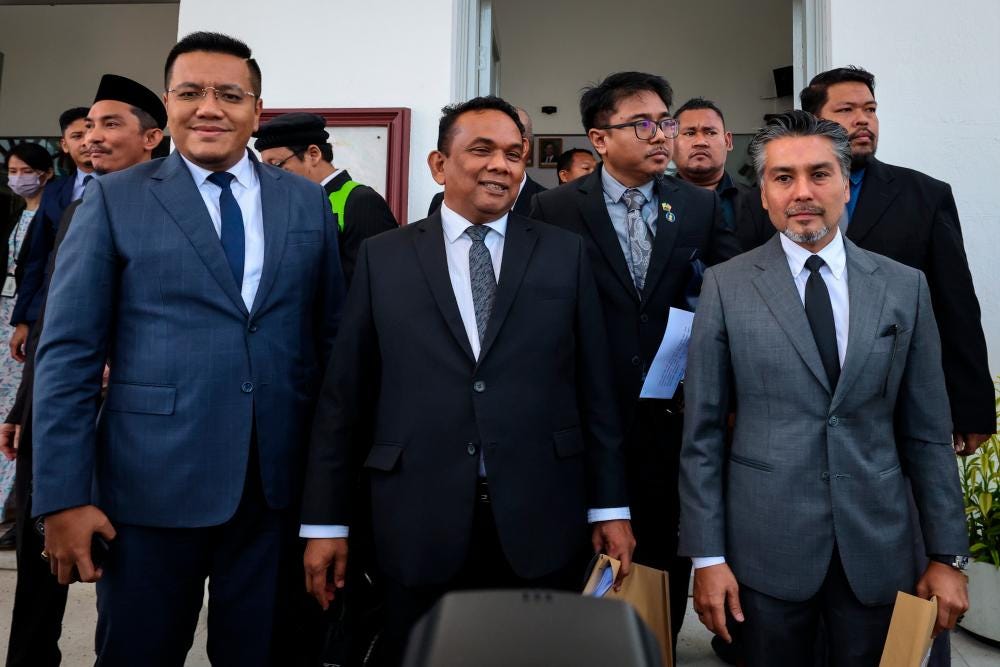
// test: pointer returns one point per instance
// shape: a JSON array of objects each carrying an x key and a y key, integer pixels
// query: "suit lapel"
[
  {"x": 429, "y": 242},
  {"x": 777, "y": 287},
  {"x": 522, "y": 206},
  {"x": 877, "y": 192},
  {"x": 176, "y": 191},
  {"x": 517, "y": 247},
  {"x": 595, "y": 214},
  {"x": 666, "y": 232},
  {"x": 275, "y": 210},
  {"x": 866, "y": 293}
]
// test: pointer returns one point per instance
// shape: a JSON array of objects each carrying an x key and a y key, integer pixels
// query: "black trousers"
[
  {"x": 39, "y": 600},
  {"x": 779, "y": 633},
  {"x": 652, "y": 462},
  {"x": 485, "y": 567}
]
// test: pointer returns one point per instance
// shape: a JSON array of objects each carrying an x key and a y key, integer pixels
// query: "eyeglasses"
[
  {"x": 646, "y": 129},
  {"x": 227, "y": 94},
  {"x": 279, "y": 163}
]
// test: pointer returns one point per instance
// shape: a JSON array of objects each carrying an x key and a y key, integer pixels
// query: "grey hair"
[{"x": 801, "y": 124}]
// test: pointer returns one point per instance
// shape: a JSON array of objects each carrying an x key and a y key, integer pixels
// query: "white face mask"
[{"x": 25, "y": 185}]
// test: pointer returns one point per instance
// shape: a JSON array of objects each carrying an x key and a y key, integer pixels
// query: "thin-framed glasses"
[
  {"x": 646, "y": 129},
  {"x": 227, "y": 94},
  {"x": 280, "y": 163}
]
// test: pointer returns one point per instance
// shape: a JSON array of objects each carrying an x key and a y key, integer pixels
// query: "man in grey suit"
[
  {"x": 212, "y": 284},
  {"x": 830, "y": 357}
]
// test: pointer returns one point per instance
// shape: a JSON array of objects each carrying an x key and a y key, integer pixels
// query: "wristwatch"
[{"x": 957, "y": 562}]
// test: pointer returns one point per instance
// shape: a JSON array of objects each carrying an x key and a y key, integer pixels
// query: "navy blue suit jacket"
[{"x": 141, "y": 280}]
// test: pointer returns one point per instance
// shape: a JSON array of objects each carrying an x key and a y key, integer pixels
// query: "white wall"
[
  {"x": 939, "y": 93},
  {"x": 54, "y": 57},
  {"x": 719, "y": 49},
  {"x": 339, "y": 53}
]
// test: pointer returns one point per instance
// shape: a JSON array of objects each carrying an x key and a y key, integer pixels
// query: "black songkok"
[
  {"x": 120, "y": 89},
  {"x": 292, "y": 129}
]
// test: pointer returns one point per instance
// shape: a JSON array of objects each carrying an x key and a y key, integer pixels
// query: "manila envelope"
[
  {"x": 909, "y": 639},
  {"x": 647, "y": 590}
]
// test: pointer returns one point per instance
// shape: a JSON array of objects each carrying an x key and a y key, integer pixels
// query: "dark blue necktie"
[{"x": 233, "y": 241}]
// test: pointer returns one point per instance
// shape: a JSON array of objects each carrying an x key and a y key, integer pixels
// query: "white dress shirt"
[
  {"x": 456, "y": 247},
  {"x": 834, "y": 274},
  {"x": 246, "y": 190},
  {"x": 330, "y": 177}
]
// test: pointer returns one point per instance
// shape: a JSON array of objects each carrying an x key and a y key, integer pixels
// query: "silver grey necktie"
[
  {"x": 640, "y": 241},
  {"x": 484, "y": 282}
]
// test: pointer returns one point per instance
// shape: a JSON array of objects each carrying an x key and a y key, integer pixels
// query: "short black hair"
[
  {"x": 146, "y": 120},
  {"x": 814, "y": 96},
  {"x": 213, "y": 42},
  {"x": 32, "y": 154},
  {"x": 565, "y": 160},
  {"x": 700, "y": 103},
  {"x": 598, "y": 102},
  {"x": 325, "y": 151},
  {"x": 450, "y": 114},
  {"x": 70, "y": 116}
]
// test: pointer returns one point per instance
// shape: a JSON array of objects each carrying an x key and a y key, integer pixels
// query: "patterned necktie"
[
  {"x": 640, "y": 242},
  {"x": 484, "y": 282},
  {"x": 819, "y": 312},
  {"x": 233, "y": 241}
]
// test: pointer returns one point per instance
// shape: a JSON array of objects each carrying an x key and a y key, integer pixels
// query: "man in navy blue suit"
[
  {"x": 41, "y": 236},
  {"x": 211, "y": 284}
]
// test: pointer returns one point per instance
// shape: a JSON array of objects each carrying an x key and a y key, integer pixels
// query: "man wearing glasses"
[
  {"x": 649, "y": 237},
  {"x": 212, "y": 284}
]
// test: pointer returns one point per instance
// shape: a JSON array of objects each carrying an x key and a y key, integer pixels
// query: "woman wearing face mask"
[{"x": 29, "y": 168}]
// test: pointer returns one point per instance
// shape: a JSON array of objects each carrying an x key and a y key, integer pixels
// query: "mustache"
[
  {"x": 863, "y": 131},
  {"x": 798, "y": 210}
]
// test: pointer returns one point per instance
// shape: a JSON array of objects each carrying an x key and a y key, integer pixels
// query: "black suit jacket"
[
  {"x": 405, "y": 399},
  {"x": 366, "y": 214},
  {"x": 522, "y": 205},
  {"x": 753, "y": 226},
  {"x": 634, "y": 322},
  {"x": 912, "y": 218}
]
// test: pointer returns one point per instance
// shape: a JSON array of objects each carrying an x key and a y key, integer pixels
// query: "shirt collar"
[
  {"x": 331, "y": 177},
  {"x": 454, "y": 225},
  {"x": 857, "y": 176},
  {"x": 614, "y": 189},
  {"x": 243, "y": 171},
  {"x": 80, "y": 175},
  {"x": 726, "y": 184},
  {"x": 833, "y": 254}
]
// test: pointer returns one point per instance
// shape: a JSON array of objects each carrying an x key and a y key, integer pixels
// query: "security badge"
[
  {"x": 669, "y": 214},
  {"x": 9, "y": 287}
]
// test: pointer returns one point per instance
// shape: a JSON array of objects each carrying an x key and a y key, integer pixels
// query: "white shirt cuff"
[
  {"x": 707, "y": 561},
  {"x": 608, "y": 514},
  {"x": 313, "y": 531}
]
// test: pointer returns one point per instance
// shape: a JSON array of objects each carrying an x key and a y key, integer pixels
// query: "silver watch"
[{"x": 957, "y": 562}]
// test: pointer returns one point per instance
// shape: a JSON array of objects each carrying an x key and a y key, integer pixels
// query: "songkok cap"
[
  {"x": 120, "y": 89},
  {"x": 292, "y": 129}
]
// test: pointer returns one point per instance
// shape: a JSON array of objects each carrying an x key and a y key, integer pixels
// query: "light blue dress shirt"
[{"x": 618, "y": 210}]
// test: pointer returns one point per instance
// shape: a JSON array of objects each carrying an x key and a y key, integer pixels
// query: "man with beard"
[
  {"x": 700, "y": 152},
  {"x": 126, "y": 122},
  {"x": 833, "y": 358}
]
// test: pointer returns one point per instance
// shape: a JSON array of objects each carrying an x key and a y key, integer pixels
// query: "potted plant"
[{"x": 980, "y": 475}]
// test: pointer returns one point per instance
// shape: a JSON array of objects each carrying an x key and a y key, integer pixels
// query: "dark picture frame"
[{"x": 549, "y": 160}]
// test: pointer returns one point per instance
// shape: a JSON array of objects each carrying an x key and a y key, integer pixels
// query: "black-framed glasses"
[
  {"x": 228, "y": 94},
  {"x": 280, "y": 163},
  {"x": 646, "y": 129}
]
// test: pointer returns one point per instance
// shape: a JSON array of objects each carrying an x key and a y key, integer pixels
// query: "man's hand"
[
  {"x": 17, "y": 341},
  {"x": 10, "y": 438},
  {"x": 68, "y": 535},
  {"x": 715, "y": 588},
  {"x": 614, "y": 538},
  {"x": 968, "y": 443},
  {"x": 952, "y": 590},
  {"x": 320, "y": 554}
]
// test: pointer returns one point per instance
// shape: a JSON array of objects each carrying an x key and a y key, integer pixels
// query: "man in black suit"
[
  {"x": 912, "y": 218},
  {"x": 529, "y": 186},
  {"x": 298, "y": 142},
  {"x": 700, "y": 152},
  {"x": 482, "y": 411},
  {"x": 648, "y": 237}
]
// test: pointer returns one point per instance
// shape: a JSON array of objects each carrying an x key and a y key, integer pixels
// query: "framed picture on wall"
[
  {"x": 373, "y": 144},
  {"x": 549, "y": 150}
]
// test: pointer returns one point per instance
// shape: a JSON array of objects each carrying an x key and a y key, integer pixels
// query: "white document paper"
[{"x": 670, "y": 362}]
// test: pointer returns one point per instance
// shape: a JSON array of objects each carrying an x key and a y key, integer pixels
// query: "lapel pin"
[{"x": 669, "y": 214}]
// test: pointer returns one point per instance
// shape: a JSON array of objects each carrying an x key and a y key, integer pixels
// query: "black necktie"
[{"x": 819, "y": 310}]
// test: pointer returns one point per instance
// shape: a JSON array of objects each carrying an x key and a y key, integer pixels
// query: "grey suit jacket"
[{"x": 809, "y": 468}]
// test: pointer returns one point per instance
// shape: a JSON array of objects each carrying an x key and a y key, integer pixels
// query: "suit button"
[
  {"x": 471, "y": 448},
  {"x": 644, "y": 318},
  {"x": 252, "y": 328},
  {"x": 825, "y": 477},
  {"x": 833, "y": 421},
  {"x": 479, "y": 386},
  {"x": 247, "y": 387},
  {"x": 636, "y": 360}
]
